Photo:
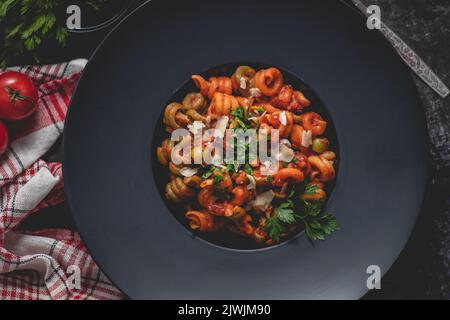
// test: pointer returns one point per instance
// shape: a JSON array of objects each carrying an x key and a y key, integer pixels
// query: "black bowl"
[
  {"x": 225, "y": 238},
  {"x": 116, "y": 110}
]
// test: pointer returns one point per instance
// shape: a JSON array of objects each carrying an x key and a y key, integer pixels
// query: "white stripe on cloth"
[
  {"x": 35, "y": 190},
  {"x": 29, "y": 149}
]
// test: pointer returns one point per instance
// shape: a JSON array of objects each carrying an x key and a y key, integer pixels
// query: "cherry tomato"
[
  {"x": 3, "y": 138},
  {"x": 18, "y": 96}
]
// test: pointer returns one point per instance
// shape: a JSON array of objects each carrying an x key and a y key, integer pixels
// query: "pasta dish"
[{"x": 265, "y": 201}]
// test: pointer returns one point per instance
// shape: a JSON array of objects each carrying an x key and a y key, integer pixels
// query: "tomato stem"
[{"x": 14, "y": 94}]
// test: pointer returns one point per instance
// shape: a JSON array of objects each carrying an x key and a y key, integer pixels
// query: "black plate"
[{"x": 108, "y": 148}]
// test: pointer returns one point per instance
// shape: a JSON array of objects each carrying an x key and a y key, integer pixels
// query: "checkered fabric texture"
[{"x": 49, "y": 264}]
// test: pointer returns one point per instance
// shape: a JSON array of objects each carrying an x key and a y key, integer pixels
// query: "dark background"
[{"x": 422, "y": 271}]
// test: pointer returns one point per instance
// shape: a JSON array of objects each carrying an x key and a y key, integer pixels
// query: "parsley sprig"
[
  {"x": 248, "y": 169},
  {"x": 317, "y": 226},
  {"x": 283, "y": 215},
  {"x": 25, "y": 25}
]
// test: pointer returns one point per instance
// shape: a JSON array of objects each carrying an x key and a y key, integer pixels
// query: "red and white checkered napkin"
[{"x": 38, "y": 265}]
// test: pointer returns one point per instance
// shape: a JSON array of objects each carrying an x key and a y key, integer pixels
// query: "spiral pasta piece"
[
  {"x": 213, "y": 85},
  {"x": 243, "y": 226},
  {"x": 314, "y": 122},
  {"x": 269, "y": 108},
  {"x": 241, "y": 195},
  {"x": 297, "y": 135},
  {"x": 194, "y": 101},
  {"x": 291, "y": 175},
  {"x": 291, "y": 100},
  {"x": 329, "y": 155},
  {"x": 193, "y": 182},
  {"x": 243, "y": 79},
  {"x": 222, "y": 104},
  {"x": 269, "y": 81},
  {"x": 281, "y": 120},
  {"x": 240, "y": 178},
  {"x": 164, "y": 152},
  {"x": 324, "y": 166},
  {"x": 174, "y": 116},
  {"x": 301, "y": 162},
  {"x": 259, "y": 234},
  {"x": 208, "y": 200},
  {"x": 178, "y": 191},
  {"x": 175, "y": 169},
  {"x": 203, "y": 221}
]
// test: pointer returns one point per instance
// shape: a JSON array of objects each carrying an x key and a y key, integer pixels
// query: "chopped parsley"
[
  {"x": 208, "y": 172},
  {"x": 230, "y": 167},
  {"x": 248, "y": 169},
  {"x": 311, "y": 189},
  {"x": 240, "y": 117},
  {"x": 239, "y": 113},
  {"x": 217, "y": 179}
]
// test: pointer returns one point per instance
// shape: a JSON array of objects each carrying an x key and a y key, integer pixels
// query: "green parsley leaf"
[
  {"x": 29, "y": 25},
  {"x": 217, "y": 179},
  {"x": 311, "y": 189},
  {"x": 248, "y": 169},
  {"x": 239, "y": 113},
  {"x": 274, "y": 228},
  {"x": 230, "y": 167},
  {"x": 283, "y": 215},
  {"x": 206, "y": 174},
  {"x": 285, "y": 212},
  {"x": 317, "y": 227},
  {"x": 313, "y": 208},
  {"x": 240, "y": 117}
]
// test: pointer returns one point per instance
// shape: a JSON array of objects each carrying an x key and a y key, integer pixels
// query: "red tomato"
[
  {"x": 18, "y": 96},
  {"x": 3, "y": 138}
]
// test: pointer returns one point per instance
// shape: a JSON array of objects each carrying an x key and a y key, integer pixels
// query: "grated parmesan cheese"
[
  {"x": 283, "y": 118},
  {"x": 306, "y": 138},
  {"x": 255, "y": 92},
  {"x": 251, "y": 182},
  {"x": 263, "y": 200},
  {"x": 243, "y": 84},
  {"x": 188, "y": 172},
  {"x": 286, "y": 153}
]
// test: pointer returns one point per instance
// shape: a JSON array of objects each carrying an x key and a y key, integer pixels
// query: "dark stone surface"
[{"x": 423, "y": 269}]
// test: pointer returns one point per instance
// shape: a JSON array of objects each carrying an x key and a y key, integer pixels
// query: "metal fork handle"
[{"x": 408, "y": 55}]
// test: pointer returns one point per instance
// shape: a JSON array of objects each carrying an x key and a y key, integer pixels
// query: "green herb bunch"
[
  {"x": 317, "y": 226},
  {"x": 25, "y": 25}
]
